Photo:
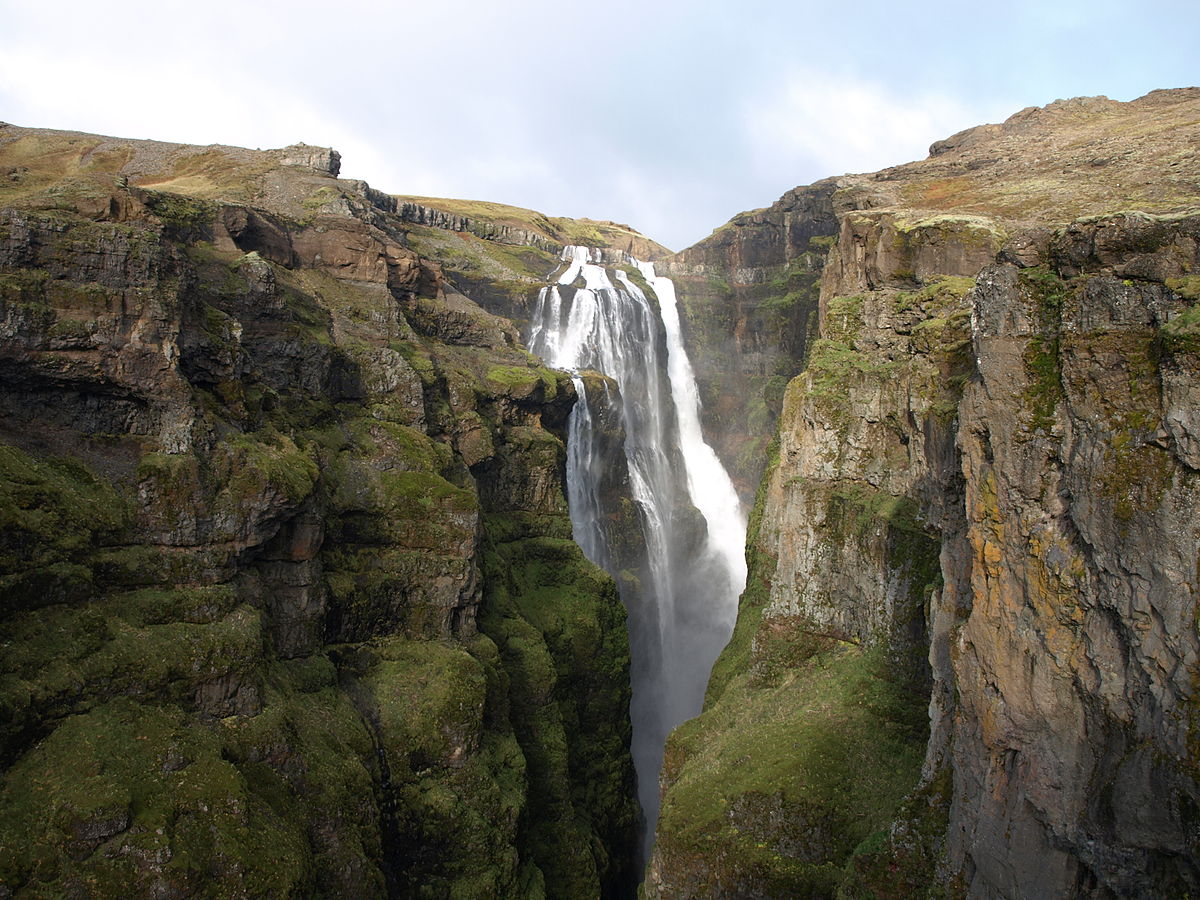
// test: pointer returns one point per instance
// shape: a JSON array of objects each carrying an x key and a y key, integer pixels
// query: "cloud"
[{"x": 814, "y": 122}]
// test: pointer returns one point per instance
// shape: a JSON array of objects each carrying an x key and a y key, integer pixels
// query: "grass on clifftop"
[{"x": 561, "y": 230}]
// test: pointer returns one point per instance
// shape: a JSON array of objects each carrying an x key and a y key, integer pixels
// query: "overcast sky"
[{"x": 666, "y": 115}]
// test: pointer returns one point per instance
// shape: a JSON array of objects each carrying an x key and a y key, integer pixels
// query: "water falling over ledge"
[{"x": 681, "y": 592}]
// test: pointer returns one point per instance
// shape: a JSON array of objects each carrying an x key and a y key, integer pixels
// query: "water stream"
[{"x": 682, "y": 600}]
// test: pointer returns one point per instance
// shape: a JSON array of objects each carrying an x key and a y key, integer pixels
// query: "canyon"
[{"x": 294, "y": 603}]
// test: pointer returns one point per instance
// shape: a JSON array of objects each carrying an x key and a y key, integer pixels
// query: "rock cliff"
[
  {"x": 966, "y": 660},
  {"x": 291, "y": 608},
  {"x": 290, "y": 602},
  {"x": 748, "y": 304}
]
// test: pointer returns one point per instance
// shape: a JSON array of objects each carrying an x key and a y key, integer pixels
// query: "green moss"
[
  {"x": 25, "y": 287},
  {"x": 457, "y": 829},
  {"x": 947, "y": 341},
  {"x": 1045, "y": 392},
  {"x": 1134, "y": 477},
  {"x": 523, "y": 382},
  {"x": 912, "y": 551},
  {"x": 942, "y": 292},
  {"x": 843, "y": 318},
  {"x": 834, "y": 367},
  {"x": 308, "y": 757},
  {"x": 775, "y": 784},
  {"x": 72, "y": 656},
  {"x": 1187, "y": 287},
  {"x": 185, "y": 218},
  {"x": 137, "y": 565},
  {"x": 968, "y": 230},
  {"x": 560, "y": 631},
  {"x": 904, "y": 860},
  {"x": 406, "y": 447},
  {"x": 860, "y": 508},
  {"x": 430, "y": 698},
  {"x": 54, "y": 515},
  {"x": 635, "y": 275},
  {"x": 200, "y": 605},
  {"x": 318, "y": 198},
  {"x": 1043, "y": 363},
  {"x": 265, "y": 460},
  {"x": 1182, "y": 333},
  {"x": 128, "y": 782}
]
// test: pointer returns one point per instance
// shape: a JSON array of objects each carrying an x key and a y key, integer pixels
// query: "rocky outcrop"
[
  {"x": 290, "y": 602},
  {"x": 982, "y": 507},
  {"x": 525, "y": 227},
  {"x": 491, "y": 231},
  {"x": 1082, "y": 582},
  {"x": 325, "y": 160}
]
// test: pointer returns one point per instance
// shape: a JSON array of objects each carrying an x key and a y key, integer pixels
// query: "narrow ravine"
[{"x": 683, "y": 600}]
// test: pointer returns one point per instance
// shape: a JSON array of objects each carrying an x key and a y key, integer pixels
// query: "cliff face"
[
  {"x": 1077, "y": 442},
  {"x": 502, "y": 255},
  {"x": 748, "y": 304},
  {"x": 290, "y": 601},
  {"x": 983, "y": 506}
]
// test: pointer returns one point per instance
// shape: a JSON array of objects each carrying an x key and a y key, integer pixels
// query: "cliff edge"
[{"x": 966, "y": 660}]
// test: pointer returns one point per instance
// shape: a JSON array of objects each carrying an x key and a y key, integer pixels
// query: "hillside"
[{"x": 289, "y": 602}]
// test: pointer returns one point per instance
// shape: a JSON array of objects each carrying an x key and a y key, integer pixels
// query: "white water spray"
[
  {"x": 682, "y": 608},
  {"x": 711, "y": 488}
]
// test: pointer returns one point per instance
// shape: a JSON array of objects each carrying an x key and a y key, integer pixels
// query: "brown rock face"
[
  {"x": 1072, "y": 743},
  {"x": 987, "y": 472},
  {"x": 747, "y": 303}
]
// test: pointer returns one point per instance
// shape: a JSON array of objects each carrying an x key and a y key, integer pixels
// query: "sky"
[{"x": 665, "y": 115}]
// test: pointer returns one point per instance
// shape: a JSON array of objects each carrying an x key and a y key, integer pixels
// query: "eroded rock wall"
[
  {"x": 1073, "y": 738},
  {"x": 965, "y": 661},
  {"x": 290, "y": 602}
]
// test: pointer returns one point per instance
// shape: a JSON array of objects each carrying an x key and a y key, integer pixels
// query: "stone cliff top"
[
  {"x": 553, "y": 229},
  {"x": 1088, "y": 156},
  {"x": 42, "y": 165},
  {"x": 297, "y": 181},
  {"x": 1081, "y": 157}
]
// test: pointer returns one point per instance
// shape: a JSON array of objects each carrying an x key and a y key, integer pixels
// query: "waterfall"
[{"x": 682, "y": 604}]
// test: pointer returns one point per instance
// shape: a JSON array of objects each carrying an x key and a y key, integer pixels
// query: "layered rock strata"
[
  {"x": 965, "y": 663},
  {"x": 290, "y": 601}
]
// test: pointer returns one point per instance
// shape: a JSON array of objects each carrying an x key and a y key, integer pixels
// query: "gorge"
[
  {"x": 295, "y": 477},
  {"x": 689, "y": 565}
]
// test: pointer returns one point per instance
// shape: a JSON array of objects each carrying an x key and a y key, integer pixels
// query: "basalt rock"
[
  {"x": 965, "y": 662},
  {"x": 325, "y": 160},
  {"x": 289, "y": 599}
]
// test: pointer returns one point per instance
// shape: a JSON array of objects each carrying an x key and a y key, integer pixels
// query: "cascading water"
[{"x": 682, "y": 608}]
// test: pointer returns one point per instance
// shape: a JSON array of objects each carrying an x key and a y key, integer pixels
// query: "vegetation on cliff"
[
  {"x": 290, "y": 605},
  {"x": 289, "y": 602},
  {"x": 986, "y": 476}
]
